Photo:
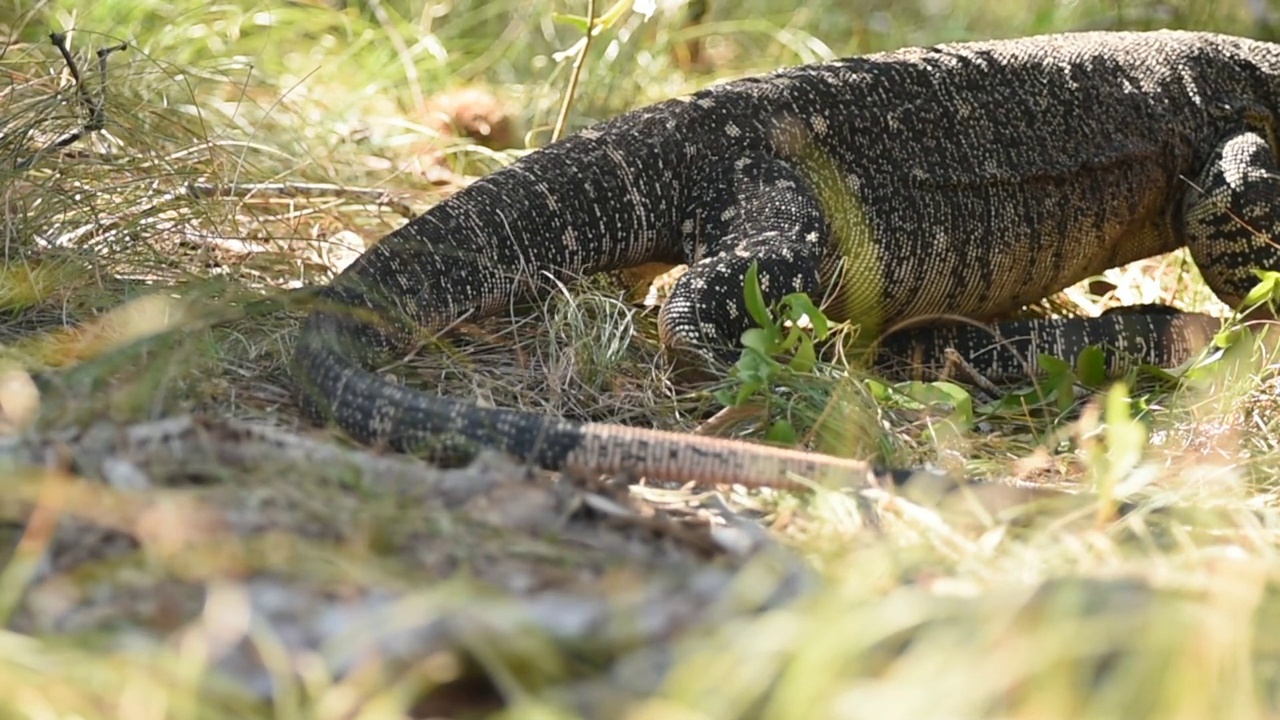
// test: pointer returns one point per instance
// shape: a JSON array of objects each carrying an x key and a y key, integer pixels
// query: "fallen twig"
[
  {"x": 375, "y": 196},
  {"x": 97, "y": 119}
]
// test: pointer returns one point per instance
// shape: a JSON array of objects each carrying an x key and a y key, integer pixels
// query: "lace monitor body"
[{"x": 967, "y": 179}]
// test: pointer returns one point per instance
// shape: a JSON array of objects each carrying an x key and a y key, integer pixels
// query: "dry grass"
[{"x": 246, "y": 565}]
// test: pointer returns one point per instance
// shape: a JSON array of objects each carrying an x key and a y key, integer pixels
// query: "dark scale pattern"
[
  {"x": 967, "y": 179},
  {"x": 1010, "y": 349}
]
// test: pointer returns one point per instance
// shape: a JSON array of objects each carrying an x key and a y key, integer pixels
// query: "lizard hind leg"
[
  {"x": 766, "y": 214},
  {"x": 1231, "y": 215}
]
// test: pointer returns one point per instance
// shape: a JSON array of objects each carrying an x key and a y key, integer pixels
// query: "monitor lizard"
[{"x": 965, "y": 179}]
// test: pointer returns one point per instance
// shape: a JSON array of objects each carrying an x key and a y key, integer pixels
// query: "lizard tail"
[{"x": 335, "y": 348}]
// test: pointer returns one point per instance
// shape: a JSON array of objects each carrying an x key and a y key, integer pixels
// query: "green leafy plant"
[
  {"x": 932, "y": 396},
  {"x": 782, "y": 345},
  {"x": 1236, "y": 339},
  {"x": 1116, "y": 452},
  {"x": 1266, "y": 292}
]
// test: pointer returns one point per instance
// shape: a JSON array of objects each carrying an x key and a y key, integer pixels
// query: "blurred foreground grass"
[{"x": 159, "y": 568}]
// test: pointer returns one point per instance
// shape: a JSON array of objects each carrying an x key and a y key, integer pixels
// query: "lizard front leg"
[
  {"x": 1231, "y": 214},
  {"x": 759, "y": 210}
]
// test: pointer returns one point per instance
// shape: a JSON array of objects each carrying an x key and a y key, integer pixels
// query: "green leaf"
[
  {"x": 752, "y": 365},
  {"x": 756, "y": 306},
  {"x": 607, "y": 19},
  {"x": 755, "y": 369},
  {"x": 805, "y": 358},
  {"x": 959, "y": 397},
  {"x": 1091, "y": 366},
  {"x": 1264, "y": 291},
  {"x": 941, "y": 392},
  {"x": 781, "y": 431},
  {"x": 1064, "y": 391},
  {"x": 748, "y": 372},
  {"x": 1126, "y": 437},
  {"x": 1052, "y": 365},
  {"x": 1017, "y": 400},
  {"x": 880, "y": 391},
  {"x": 746, "y": 391},
  {"x": 1158, "y": 373},
  {"x": 799, "y": 305},
  {"x": 789, "y": 341},
  {"x": 760, "y": 340},
  {"x": 1228, "y": 335},
  {"x": 576, "y": 21},
  {"x": 619, "y": 11}
]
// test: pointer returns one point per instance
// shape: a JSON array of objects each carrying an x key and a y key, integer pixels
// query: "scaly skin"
[{"x": 968, "y": 179}]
